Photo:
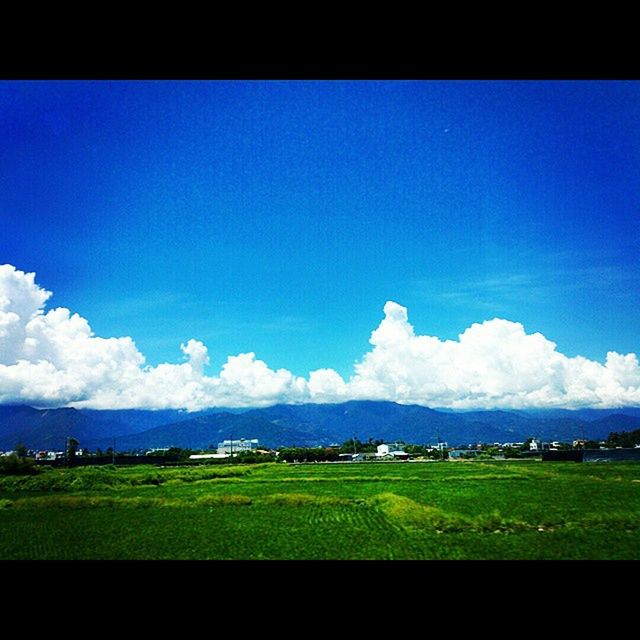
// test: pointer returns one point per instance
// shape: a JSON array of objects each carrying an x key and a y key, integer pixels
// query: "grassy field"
[{"x": 461, "y": 510}]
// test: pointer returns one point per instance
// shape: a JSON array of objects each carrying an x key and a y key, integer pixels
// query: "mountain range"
[{"x": 300, "y": 425}]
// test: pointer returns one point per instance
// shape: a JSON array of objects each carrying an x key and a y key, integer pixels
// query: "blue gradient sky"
[{"x": 278, "y": 217}]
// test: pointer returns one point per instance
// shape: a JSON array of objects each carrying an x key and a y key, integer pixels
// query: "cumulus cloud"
[
  {"x": 492, "y": 364},
  {"x": 53, "y": 358}
]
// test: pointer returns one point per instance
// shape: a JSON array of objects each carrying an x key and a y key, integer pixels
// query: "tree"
[
  {"x": 14, "y": 466},
  {"x": 353, "y": 445},
  {"x": 253, "y": 457},
  {"x": 307, "y": 454},
  {"x": 21, "y": 450},
  {"x": 416, "y": 449},
  {"x": 525, "y": 446},
  {"x": 178, "y": 453},
  {"x": 624, "y": 438},
  {"x": 512, "y": 452},
  {"x": 72, "y": 448}
]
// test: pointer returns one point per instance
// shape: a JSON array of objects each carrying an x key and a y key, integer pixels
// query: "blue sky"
[{"x": 279, "y": 217}]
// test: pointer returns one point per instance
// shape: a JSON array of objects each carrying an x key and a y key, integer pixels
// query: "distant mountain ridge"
[{"x": 302, "y": 425}]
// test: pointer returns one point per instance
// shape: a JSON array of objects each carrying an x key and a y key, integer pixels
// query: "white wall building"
[
  {"x": 236, "y": 446},
  {"x": 208, "y": 456},
  {"x": 389, "y": 450}
]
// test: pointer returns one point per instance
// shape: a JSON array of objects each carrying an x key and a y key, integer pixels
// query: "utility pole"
[
  {"x": 231, "y": 441},
  {"x": 113, "y": 452},
  {"x": 354, "y": 444}
]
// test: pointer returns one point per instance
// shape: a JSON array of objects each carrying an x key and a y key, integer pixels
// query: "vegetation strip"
[
  {"x": 412, "y": 515},
  {"x": 399, "y": 510},
  {"x": 97, "y": 478}
]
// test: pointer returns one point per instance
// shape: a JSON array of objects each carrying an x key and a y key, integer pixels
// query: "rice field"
[{"x": 449, "y": 510}]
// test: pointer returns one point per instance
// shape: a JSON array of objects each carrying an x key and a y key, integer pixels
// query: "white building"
[
  {"x": 45, "y": 455},
  {"x": 351, "y": 457},
  {"x": 208, "y": 456},
  {"x": 383, "y": 450},
  {"x": 390, "y": 451},
  {"x": 236, "y": 446}
]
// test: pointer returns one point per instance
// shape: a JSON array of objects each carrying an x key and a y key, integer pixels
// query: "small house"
[{"x": 391, "y": 451}]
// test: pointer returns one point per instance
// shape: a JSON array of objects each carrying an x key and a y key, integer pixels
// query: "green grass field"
[{"x": 450, "y": 510}]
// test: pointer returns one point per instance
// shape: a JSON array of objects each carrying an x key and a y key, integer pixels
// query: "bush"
[
  {"x": 224, "y": 500},
  {"x": 148, "y": 478},
  {"x": 302, "y": 500},
  {"x": 253, "y": 457},
  {"x": 91, "y": 502},
  {"x": 14, "y": 466},
  {"x": 307, "y": 454},
  {"x": 291, "y": 499}
]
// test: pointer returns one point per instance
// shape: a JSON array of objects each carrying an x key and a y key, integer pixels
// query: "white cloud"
[
  {"x": 198, "y": 355},
  {"x": 492, "y": 364},
  {"x": 20, "y": 301},
  {"x": 53, "y": 358},
  {"x": 326, "y": 385},
  {"x": 250, "y": 382}
]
